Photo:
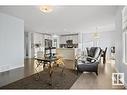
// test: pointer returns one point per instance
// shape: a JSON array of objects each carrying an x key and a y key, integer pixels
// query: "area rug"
[{"x": 59, "y": 80}]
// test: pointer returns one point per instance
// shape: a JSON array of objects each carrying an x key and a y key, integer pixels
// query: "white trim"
[
  {"x": 10, "y": 67},
  {"x": 124, "y": 33}
]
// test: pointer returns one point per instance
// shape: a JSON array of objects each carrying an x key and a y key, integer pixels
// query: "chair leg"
[
  {"x": 75, "y": 64},
  {"x": 77, "y": 72},
  {"x": 96, "y": 73},
  {"x": 97, "y": 70},
  {"x": 57, "y": 65},
  {"x": 63, "y": 68}
]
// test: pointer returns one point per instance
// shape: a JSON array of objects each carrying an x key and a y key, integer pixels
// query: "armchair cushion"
[{"x": 90, "y": 63}]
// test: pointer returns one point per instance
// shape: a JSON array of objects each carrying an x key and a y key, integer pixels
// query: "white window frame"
[
  {"x": 124, "y": 34},
  {"x": 124, "y": 47}
]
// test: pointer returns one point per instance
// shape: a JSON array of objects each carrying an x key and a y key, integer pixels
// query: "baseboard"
[
  {"x": 4, "y": 68},
  {"x": 10, "y": 67}
]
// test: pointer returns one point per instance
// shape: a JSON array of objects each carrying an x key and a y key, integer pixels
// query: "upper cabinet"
[
  {"x": 73, "y": 37},
  {"x": 47, "y": 36},
  {"x": 62, "y": 40}
]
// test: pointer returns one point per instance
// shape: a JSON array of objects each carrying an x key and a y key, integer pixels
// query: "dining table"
[{"x": 50, "y": 63}]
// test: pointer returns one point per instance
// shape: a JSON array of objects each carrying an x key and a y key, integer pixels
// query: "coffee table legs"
[
  {"x": 50, "y": 73},
  {"x": 38, "y": 63},
  {"x": 50, "y": 68}
]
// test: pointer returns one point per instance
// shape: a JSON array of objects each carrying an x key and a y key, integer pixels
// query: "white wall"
[
  {"x": 11, "y": 42},
  {"x": 106, "y": 39}
]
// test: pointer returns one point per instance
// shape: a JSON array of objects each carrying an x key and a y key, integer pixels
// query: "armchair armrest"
[{"x": 92, "y": 59}]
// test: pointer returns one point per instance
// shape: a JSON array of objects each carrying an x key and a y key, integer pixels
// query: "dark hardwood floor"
[
  {"x": 102, "y": 81},
  {"x": 28, "y": 69},
  {"x": 85, "y": 81}
]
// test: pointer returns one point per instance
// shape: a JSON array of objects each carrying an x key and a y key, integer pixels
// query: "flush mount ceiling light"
[{"x": 46, "y": 8}]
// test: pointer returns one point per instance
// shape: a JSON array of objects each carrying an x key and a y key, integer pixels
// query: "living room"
[{"x": 31, "y": 33}]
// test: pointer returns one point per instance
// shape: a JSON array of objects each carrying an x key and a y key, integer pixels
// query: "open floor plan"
[{"x": 63, "y": 47}]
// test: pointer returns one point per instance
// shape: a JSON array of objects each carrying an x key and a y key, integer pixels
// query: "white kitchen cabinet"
[{"x": 64, "y": 38}]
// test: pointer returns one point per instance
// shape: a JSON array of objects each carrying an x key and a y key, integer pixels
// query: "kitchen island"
[{"x": 66, "y": 53}]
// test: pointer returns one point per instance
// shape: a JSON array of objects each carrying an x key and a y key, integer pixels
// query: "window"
[
  {"x": 125, "y": 47},
  {"x": 124, "y": 27}
]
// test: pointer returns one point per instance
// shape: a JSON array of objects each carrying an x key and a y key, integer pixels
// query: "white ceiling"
[{"x": 63, "y": 19}]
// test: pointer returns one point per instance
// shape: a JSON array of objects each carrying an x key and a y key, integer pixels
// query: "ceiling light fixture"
[
  {"x": 96, "y": 34},
  {"x": 46, "y": 8}
]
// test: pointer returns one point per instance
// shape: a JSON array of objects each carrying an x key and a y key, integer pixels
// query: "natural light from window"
[{"x": 124, "y": 27}]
